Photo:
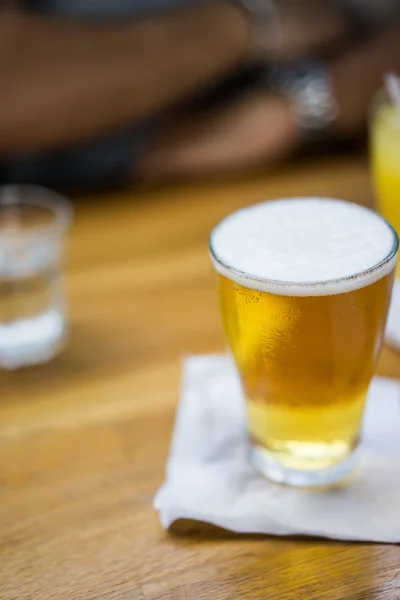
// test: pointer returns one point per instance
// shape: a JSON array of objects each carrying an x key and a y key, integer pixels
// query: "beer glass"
[
  {"x": 385, "y": 162},
  {"x": 304, "y": 287},
  {"x": 385, "y": 155}
]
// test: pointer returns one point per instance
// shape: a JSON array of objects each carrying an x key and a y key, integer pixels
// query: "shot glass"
[{"x": 33, "y": 316}]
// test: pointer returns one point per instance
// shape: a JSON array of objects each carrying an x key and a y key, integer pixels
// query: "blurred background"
[{"x": 100, "y": 94}]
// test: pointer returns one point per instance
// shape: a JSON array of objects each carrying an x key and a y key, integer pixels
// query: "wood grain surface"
[{"x": 83, "y": 440}]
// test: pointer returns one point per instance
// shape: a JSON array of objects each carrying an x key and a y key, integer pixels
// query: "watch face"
[{"x": 308, "y": 87}]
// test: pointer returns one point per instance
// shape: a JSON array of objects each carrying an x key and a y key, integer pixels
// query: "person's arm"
[
  {"x": 258, "y": 129},
  {"x": 253, "y": 130},
  {"x": 63, "y": 82}
]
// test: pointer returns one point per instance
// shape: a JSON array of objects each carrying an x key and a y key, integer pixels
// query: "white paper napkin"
[
  {"x": 209, "y": 478},
  {"x": 393, "y": 324}
]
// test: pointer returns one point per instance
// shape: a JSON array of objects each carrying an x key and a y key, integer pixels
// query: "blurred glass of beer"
[
  {"x": 385, "y": 154},
  {"x": 305, "y": 286}
]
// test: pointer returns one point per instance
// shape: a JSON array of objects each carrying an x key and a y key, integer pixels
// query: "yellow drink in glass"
[{"x": 385, "y": 152}]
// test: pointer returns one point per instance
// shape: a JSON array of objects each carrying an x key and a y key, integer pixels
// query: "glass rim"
[
  {"x": 381, "y": 99},
  {"x": 18, "y": 196},
  {"x": 302, "y": 286}
]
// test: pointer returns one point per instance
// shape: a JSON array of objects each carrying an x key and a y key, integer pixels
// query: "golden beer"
[
  {"x": 385, "y": 155},
  {"x": 306, "y": 345}
]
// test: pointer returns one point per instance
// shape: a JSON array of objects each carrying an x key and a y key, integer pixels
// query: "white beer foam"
[{"x": 304, "y": 247}]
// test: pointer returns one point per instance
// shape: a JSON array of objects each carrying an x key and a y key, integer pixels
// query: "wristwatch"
[{"x": 309, "y": 89}]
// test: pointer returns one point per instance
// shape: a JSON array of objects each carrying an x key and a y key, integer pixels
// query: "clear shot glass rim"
[{"x": 40, "y": 197}]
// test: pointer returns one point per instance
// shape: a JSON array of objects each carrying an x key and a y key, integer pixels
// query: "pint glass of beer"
[
  {"x": 385, "y": 154},
  {"x": 304, "y": 287}
]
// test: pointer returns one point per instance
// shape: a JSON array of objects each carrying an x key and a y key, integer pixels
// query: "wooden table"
[{"x": 83, "y": 440}]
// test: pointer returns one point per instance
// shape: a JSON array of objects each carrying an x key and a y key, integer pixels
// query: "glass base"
[
  {"x": 28, "y": 342},
  {"x": 266, "y": 464}
]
